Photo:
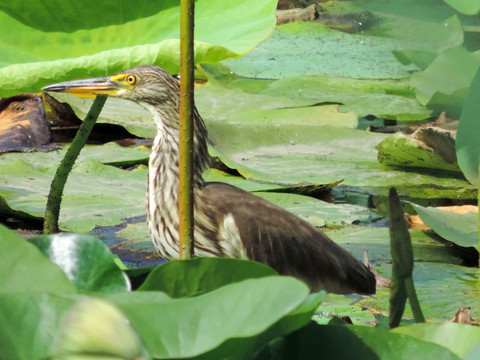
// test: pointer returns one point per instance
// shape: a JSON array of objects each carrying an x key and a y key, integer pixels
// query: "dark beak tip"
[{"x": 52, "y": 88}]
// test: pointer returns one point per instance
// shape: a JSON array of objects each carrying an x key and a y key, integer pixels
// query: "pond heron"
[{"x": 229, "y": 222}]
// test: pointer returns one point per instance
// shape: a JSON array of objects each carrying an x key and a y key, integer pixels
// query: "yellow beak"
[{"x": 87, "y": 88}]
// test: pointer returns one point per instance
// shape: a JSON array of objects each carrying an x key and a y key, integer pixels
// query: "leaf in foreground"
[
  {"x": 459, "y": 338},
  {"x": 95, "y": 329},
  {"x": 466, "y": 7},
  {"x": 86, "y": 261},
  {"x": 229, "y": 319},
  {"x": 467, "y": 144},
  {"x": 24, "y": 267},
  {"x": 29, "y": 322},
  {"x": 200, "y": 275},
  {"x": 97, "y": 39},
  {"x": 351, "y": 342}
]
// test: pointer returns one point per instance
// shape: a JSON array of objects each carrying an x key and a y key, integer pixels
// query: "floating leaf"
[
  {"x": 426, "y": 249},
  {"x": 313, "y": 190},
  {"x": 294, "y": 49},
  {"x": 316, "y": 211},
  {"x": 316, "y": 155},
  {"x": 224, "y": 98},
  {"x": 134, "y": 117},
  {"x": 311, "y": 115},
  {"x": 437, "y": 284},
  {"x": 324, "y": 314},
  {"x": 430, "y": 148},
  {"x": 116, "y": 196}
]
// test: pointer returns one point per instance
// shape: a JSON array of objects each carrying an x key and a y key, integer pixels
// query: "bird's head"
[{"x": 143, "y": 84}]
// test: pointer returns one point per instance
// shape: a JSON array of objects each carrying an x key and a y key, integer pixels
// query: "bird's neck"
[
  {"x": 163, "y": 183},
  {"x": 165, "y": 153}
]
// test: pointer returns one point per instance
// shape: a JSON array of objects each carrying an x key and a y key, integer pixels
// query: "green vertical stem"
[
  {"x": 185, "y": 203},
  {"x": 402, "y": 286},
  {"x": 413, "y": 300},
  {"x": 52, "y": 211}
]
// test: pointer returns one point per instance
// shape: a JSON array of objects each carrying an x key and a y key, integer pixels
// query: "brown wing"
[{"x": 285, "y": 242}]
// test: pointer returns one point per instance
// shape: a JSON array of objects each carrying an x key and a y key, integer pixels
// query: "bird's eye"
[
  {"x": 18, "y": 107},
  {"x": 131, "y": 79}
]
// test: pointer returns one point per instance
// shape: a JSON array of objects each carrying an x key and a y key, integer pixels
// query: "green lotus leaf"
[
  {"x": 445, "y": 83},
  {"x": 24, "y": 267},
  {"x": 29, "y": 321},
  {"x": 86, "y": 261},
  {"x": 462, "y": 229},
  {"x": 467, "y": 145},
  {"x": 459, "y": 338},
  {"x": 363, "y": 343},
  {"x": 224, "y": 321},
  {"x": 200, "y": 275},
  {"x": 428, "y": 148},
  {"x": 98, "y": 39}
]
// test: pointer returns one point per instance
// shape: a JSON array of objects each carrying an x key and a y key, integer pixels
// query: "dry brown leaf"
[
  {"x": 461, "y": 209},
  {"x": 292, "y": 15},
  {"x": 22, "y": 123},
  {"x": 463, "y": 316},
  {"x": 414, "y": 222}
]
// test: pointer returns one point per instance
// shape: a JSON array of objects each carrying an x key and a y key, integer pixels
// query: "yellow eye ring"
[{"x": 131, "y": 79}]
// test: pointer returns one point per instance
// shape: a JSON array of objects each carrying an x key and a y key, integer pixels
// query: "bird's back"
[{"x": 245, "y": 225}]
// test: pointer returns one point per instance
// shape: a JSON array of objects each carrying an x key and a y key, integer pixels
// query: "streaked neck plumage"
[{"x": 163, "y": 183}]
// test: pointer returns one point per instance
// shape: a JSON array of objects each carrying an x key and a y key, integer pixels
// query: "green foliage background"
[{"x": 300, "y": 115}]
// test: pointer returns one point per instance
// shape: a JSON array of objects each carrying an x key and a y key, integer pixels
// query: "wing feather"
[{"x": 290, "y": 245}]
